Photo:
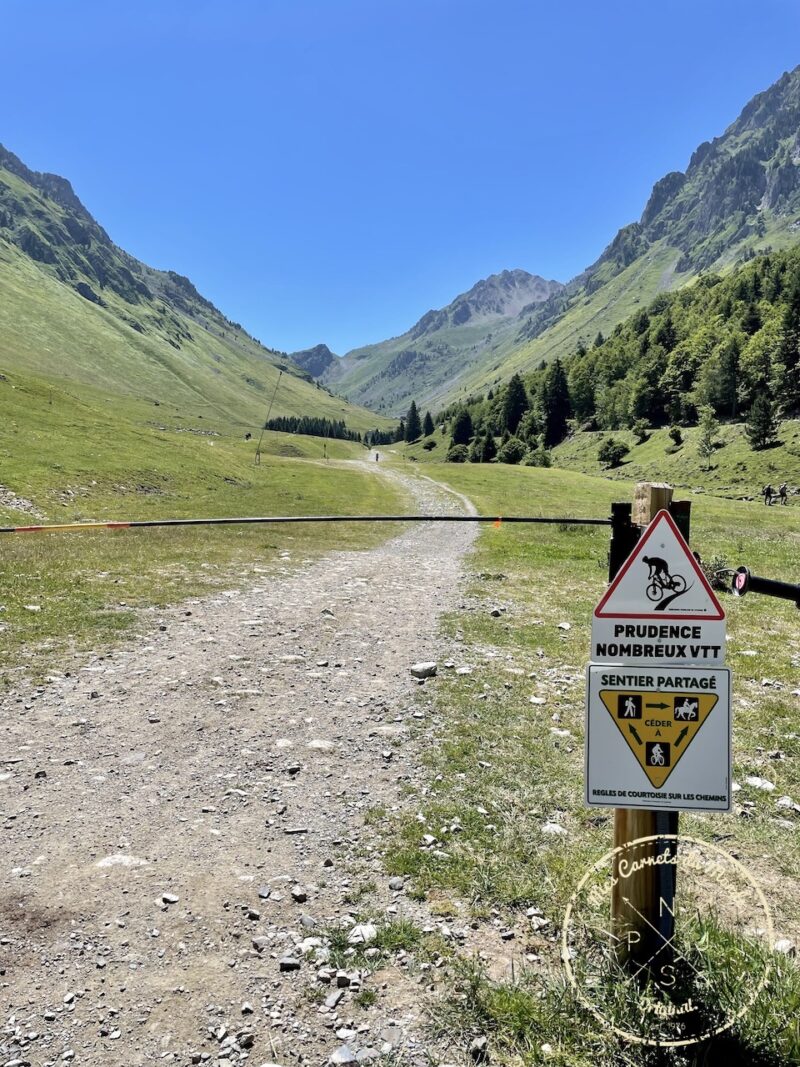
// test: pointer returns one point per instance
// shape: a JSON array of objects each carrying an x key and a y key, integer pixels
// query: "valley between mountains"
[{"x": 288, "y": 795}]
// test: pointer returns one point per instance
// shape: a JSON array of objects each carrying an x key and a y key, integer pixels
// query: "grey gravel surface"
[{"x": 183, "y": 818}]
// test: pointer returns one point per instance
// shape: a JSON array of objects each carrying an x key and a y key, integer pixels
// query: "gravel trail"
[{"x": 181, "y": 814}]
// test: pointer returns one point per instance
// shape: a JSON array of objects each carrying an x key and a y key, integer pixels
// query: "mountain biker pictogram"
[
  {"x": 660, "y": 578},
  {"x": 660, "y": 583},
  {"x": 657, "y": 754}
]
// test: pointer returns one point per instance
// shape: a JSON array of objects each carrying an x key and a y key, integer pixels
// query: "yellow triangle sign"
[{"x": 658, "y": 727}]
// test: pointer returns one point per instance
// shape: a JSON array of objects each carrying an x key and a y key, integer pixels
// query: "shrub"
[
  {"x": 640, "y": 429},
  {"x": 538, "y": 457},
  {"x": 429, "y": 445},
  {"x": 612, "y": 452},
  {"x": 676, "y": 435},
  {"x": 457, "y": 454},
  {"x": 512, "y": 451}
]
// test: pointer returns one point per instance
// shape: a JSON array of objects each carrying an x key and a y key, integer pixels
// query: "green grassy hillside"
[
  {"x": 76, "y": 308},
  {"x": 50, "y": 331},
  {"x": 83, "y": 455},
  {"x": 736, "y": 470}
]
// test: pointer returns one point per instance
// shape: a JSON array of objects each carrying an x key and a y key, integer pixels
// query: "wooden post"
[{"x": 642, "y": 904}]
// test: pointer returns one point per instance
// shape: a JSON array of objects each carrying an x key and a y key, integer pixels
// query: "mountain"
[
  {"x": 428, "y": 359},
  {"x": 315, "y": 361},
  {"x": 739, "y": 195},
  {"x": 728, "y": 343},
  {"x": 77, "y": 310}
]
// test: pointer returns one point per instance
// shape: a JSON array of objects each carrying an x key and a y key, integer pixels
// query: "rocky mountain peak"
[
  {"x": 315, "y": 361},
  {"x": 500, "y": 296}
]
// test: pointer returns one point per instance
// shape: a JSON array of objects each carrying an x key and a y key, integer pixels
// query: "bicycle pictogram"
[{"x": 660, "y": 582}]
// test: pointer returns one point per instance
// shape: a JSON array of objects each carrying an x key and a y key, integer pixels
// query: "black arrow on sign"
[
  {"x": 681, "y": 736},
  {"x": 662, "y": 706},
  {"x": 636, "y": 737}
]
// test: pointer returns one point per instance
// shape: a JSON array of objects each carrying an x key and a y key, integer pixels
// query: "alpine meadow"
[{"x": 420, "y": 702}]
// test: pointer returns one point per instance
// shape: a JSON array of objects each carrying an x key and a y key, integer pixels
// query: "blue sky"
[{"x": 328, "y": 170}]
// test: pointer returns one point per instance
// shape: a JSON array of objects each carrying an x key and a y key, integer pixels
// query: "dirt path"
[{"x": 180, "y": 815}]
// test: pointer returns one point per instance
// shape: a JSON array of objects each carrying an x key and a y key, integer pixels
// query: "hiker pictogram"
[
  {"x": 658, "y": 727},
  {"x": 629, "y": 706}
]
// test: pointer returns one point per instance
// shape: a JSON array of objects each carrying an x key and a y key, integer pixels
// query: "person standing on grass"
[
  {"x": 783, "y": 489},
  {"x": 767, "y": 492}
]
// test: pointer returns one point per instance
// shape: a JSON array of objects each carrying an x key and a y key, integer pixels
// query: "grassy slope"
[
  {"x": 48, "y": 330},
  {"x": 497, "y": 751},
  {"x": 82, "y": 455},
  {"x": 457, "y": 350},
  {"x": 736, "y": 469}
]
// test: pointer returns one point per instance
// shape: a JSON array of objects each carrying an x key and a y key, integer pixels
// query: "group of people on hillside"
[{"x": 770, "y": 496}]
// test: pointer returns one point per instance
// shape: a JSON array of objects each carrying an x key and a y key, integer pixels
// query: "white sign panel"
[
  {"x": 659, "y": 608},
  {"x": 658, "y": 737}
]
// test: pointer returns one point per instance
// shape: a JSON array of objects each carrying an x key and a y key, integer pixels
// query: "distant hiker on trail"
[
  {"x": 658, "y": 569},
  {"x": 247, "y": 436},
  {"x": 377, "y": 456},
  {"x": 768, "y": 493},
  {"x": 783, "y": 489}
]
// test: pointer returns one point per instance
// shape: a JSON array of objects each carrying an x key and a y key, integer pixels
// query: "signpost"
[{"x": 657, "y": 708}]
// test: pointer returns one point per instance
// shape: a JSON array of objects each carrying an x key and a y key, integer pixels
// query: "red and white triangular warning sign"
[
  {"x": 660, "y": 579},
  {"x": 660, "y": 607}
]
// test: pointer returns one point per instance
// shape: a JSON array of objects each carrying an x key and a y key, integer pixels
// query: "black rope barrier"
[{"x": 250, "y": 520}]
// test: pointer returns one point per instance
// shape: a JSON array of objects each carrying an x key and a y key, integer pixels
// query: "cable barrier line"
[{"x": 76, "y": 527}]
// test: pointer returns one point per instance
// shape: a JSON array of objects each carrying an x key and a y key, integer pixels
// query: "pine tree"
[
  {"x": 400, "y": 432},
  {"x": 787, "y": 359},
  {"x": 528, "y": 428},
  {"x": 556, "y": 406},
  {"x": 762, "y": 423},
  {"x": 427, "y": 425},
  {"x": 489, "y": 450},
  {"x": 462, "y": 428},
  {"x": 413, "y": 425},
  {"x": 515, "y": 403},
  {"x": 708, "y": 431}
]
